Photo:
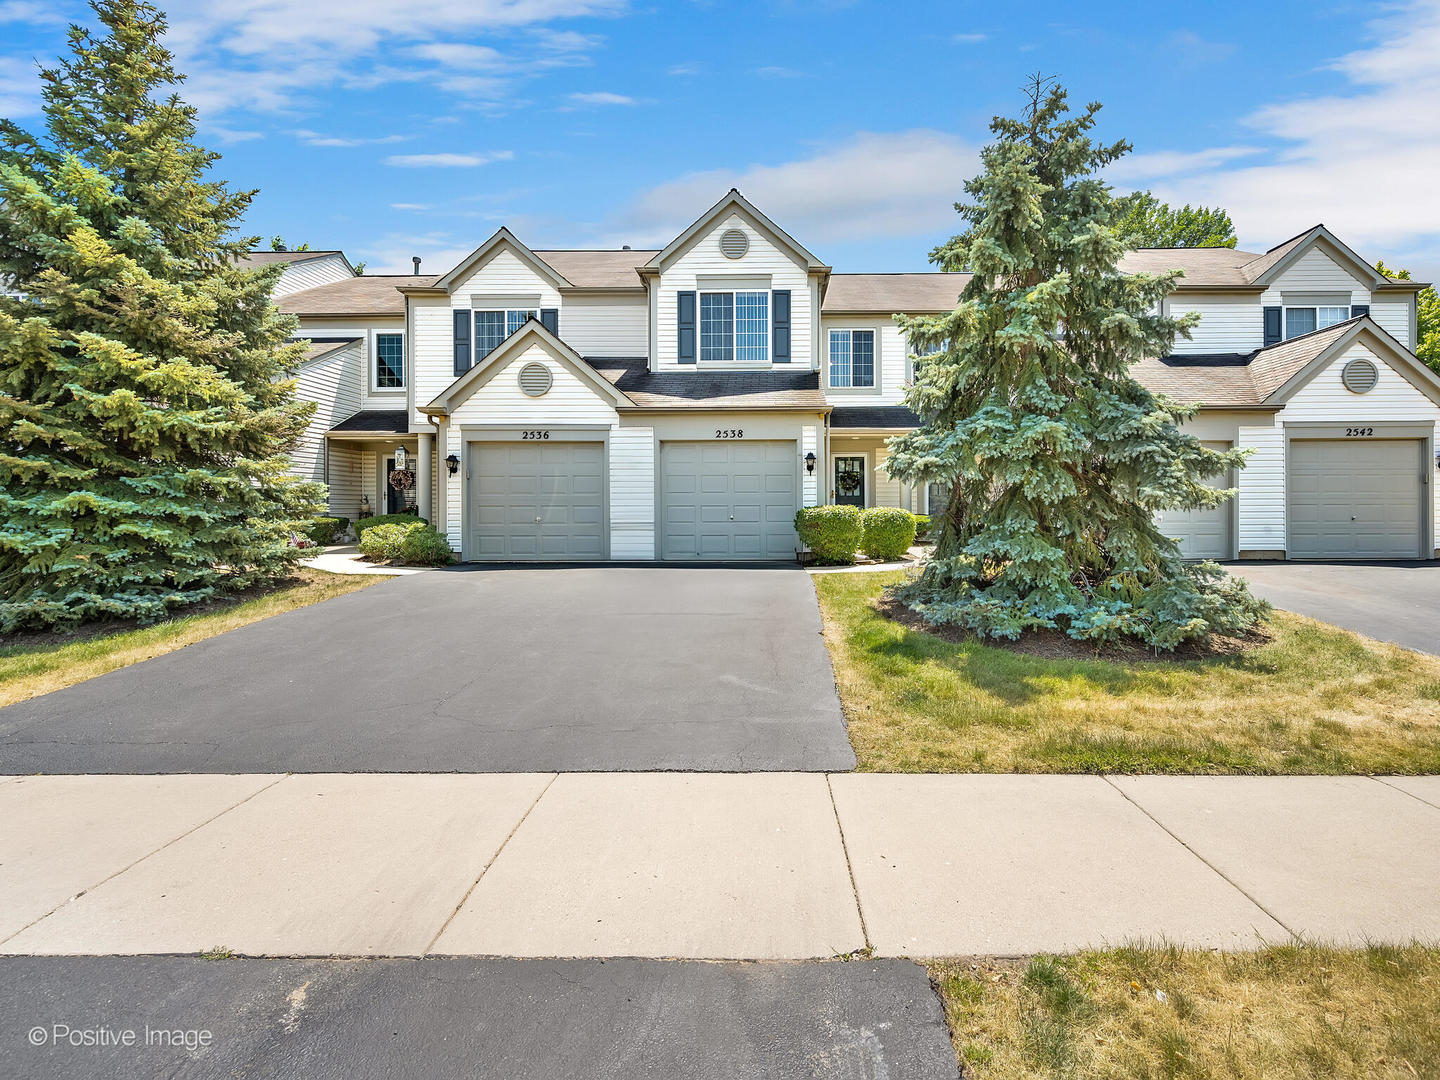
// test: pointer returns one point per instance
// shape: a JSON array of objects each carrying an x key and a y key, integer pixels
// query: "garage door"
[
  {"x": 536, "y": 501},
  {"x": 728, "y": 500},
  {"x": 1203, "y": 534},
  {"x": 1354, "y": 499}
]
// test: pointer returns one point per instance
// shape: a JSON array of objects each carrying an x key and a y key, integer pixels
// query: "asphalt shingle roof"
[
  {"x": 324, "y": 346},
  {"x": 395, "y": 421},
  {"x": 367, "y": 294},
  {"x": 598, "y": 269},
  {"x": 910, "y": 294},
  {"x": 252, "y": 259},
  {"x": 873, "y": 416},
  {"x": 711, "y": 389}
]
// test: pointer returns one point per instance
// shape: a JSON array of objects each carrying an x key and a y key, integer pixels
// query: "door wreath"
[
  {"x": 402, "y": 479},
  {"x": 848, "y": 483}
]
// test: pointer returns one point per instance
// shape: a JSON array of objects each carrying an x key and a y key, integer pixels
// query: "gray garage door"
[
  {"x": 1203, "y": 534},
  {"x": 728, "y": 500},
  {"x": 540, "y": 500},
  {"x": 1354, "y": 499}
]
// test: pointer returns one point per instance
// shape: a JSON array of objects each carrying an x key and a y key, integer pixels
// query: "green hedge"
[
  {"x": 412, "y": 542},
  {"x": 384, "y": 519},
  {"x": 922, "y": 526},
  {"x": 888, "y": 532},
  {"x": 833, "y": 533},
  {"x": 326, "y": 530}
]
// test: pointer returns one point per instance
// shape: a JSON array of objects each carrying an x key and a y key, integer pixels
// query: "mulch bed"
[{"x": 1056, "y": 645}]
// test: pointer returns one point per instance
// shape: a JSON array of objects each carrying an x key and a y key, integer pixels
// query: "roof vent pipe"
[
  {"x": 624, "y": 247},
  {"x": 416, "y": 260}
]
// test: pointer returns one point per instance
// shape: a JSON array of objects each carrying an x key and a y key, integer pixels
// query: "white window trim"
[
  {"x": 1285, "y": 317},
  {"x": 374, "y": 364},
  {"x": 859, "y": 391},
  {"x": 737, "y": 365},
  {"x": 507, "y": 312}
]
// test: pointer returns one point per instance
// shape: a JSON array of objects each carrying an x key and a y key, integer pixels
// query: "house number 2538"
[{"x": 729, "y": 433}]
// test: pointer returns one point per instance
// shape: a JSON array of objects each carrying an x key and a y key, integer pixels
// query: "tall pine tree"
[
  {"x": 1057, "y": 458},
  {"x": 146, "y": 399}
]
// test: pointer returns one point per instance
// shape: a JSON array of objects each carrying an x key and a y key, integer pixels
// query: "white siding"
[
  {"x": 312, "y": 272},
  {"x": 1317, "y": 271},
  {"x": 764, "y": 258},
  {"x": 504, "y": 274},
  {"x": 501, "y": 401},
  {"x": 632, "y": 493},
  {"x": 1394, "y": 316},
  {"x": 432, "y": 353},
  {"x": 365, "y": 330},
  {"x": 346, "y": 471},
  {"x": 892, "y": 361},
  {"x": 606, "y": 324},
  {"x": 332, "y": 382},
  {"x": 1229, "y": 323},
  {"x": 1260, "y": 501},
  {"x": 1324, "y": 397},
  {"x": 810, "y": 483}
]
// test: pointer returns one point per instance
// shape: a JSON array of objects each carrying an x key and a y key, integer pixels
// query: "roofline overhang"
[
  {"x": 501, "y": 236},
  {"x": 873, "y": 430},
  {"x": 345, "y": 314},
  {"x": 1414, "y": 370},
  {"x": 1311, "y": 237},
  {"x": 811, "y": 410},
  {"x": 371, "y": 434},
  {"x": 732, "y": 199}
]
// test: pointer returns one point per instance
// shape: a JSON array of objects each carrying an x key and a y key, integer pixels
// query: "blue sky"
[{"x": 389, "y": 128}]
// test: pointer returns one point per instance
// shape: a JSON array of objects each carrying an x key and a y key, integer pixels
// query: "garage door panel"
[
  {"x": 1354, "y": 499},
  {"x": 1203, "y": 534},
  {"x": 729, "y": 500},
  {"x": 537, "y": 501}
]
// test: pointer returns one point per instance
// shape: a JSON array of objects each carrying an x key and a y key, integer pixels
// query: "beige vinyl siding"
[
  {"x": 1317, "y": 271},
  {"x": 1229, "y": 323},
  {"x": 346, "y": 471},
  {"x": 333, "y": 383},
  {"x": 632, "y": 493},
  {"x": 892, "y": 362},
  {"x": 310, "y": 273},
  {"x": 1260, "y": 499},
  {"x": 606, "y": 324},
  {"x": 887, "y": 488},
  {"x": 1394, "y": 316},
  {"x": 704, "y": 260}
]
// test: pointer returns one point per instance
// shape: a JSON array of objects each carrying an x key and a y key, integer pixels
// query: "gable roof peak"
[
  {"x": 502, "y": 236},
  {"x": 732, "y": 199}
]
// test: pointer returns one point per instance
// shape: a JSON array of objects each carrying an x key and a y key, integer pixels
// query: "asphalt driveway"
[
  {"x": 473, "y": 670},
  {"x": 1397, "y": 602}
]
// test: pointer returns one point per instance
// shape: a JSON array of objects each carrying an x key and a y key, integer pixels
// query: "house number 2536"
[
  {"x": 729, "y": 433},
  {"x": 535, "y": 434}
]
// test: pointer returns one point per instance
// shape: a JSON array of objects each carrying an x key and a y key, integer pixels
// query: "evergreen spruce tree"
[
  {"x": 146, "y": 404},
  {"x": 1057, "y": 458}
]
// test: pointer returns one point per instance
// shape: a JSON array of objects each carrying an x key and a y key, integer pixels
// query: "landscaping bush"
[
  {"x": 888, "y": 532},
  {"x": 384, "y": 519},
  {"x": 833, "y": 533},
  {"x": 413, "y": 542},
  {"x": 922, "y": 526},
  {"x": 326, "y": 530}
]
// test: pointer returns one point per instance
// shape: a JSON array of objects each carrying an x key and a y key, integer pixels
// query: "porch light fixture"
[
  {"x": 453, "y": 464},
  {"x": 810, "y": 462}
]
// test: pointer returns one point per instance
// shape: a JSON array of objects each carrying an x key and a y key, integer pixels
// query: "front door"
[{"x": 850, "y": 480}]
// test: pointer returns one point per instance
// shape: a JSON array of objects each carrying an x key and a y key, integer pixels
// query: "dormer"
[{"x": 734, "y": 292}]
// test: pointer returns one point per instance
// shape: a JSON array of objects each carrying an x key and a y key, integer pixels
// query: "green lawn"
[
  {"x": 31, "y": 665},
  {"x": 1284, "y": 1013},
  {"x": 1314, "y": 699}
]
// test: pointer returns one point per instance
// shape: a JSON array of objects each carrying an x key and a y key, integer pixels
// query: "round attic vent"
[
  {"x": 535, "y": 380},
  {"x": 1359, "y": 376},
  {"x": 734, "y": 243}
]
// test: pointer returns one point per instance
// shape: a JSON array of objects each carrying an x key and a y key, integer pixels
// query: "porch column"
[{"x": 422, "y": 473}]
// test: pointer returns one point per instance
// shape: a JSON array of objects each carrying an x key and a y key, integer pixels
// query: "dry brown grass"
[
  {"x": 1285, "y": 1013},
  {"x": 1311, "y": 699},
  {"x": 36, "y": 664}
]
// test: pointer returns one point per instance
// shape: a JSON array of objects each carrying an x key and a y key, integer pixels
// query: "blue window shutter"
[
  {"x": 780, "y": 323},
  {"x": 685, "y": 321},
  {"x": 1356, "y": 310},
  {"x": 1273, "y": 333},
  {"x": 550, "y": 319},
  {"x": 462, "y": 341}
]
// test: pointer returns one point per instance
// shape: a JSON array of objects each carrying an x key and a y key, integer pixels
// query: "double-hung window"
[
  {"x": 389, "y": 361},
  {"x": 494, "y": 326},
  {"x": 1303, "y": 320},
  {"x": 735, "y": 326},
  {"x": 852, "y": 359}
]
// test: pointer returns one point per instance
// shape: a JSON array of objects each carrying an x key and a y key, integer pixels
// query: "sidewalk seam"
[
  {"x": 1402, "y": 791},
  {"x": 1220, "y": 873},
  {"x": 486, "y": 868},
  {"x": 849, "y": 869},
  {"x": 131, "y": 865}
]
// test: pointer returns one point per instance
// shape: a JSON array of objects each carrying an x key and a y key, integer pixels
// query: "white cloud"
[
  {"x": 438, "y": 253},
  {"x": 446, "y": 161},
  {"x": 774, "y": 71},
  {"x": 19, "y": 87},
  {"x": 1191, "y": 50},
  {"x": 687, "y": 68},
  {"x": 1161, "y": 163},
  {"x": 874, "y": 184},
  {"x": 30, "y": 11},
  {"x": 602, "y": 97},
  {"x": 409, "y": 206},
  {"x": 1363, "y": 160},
  {"x": 314, "y": 138},
  {"x": 968, "y": 39}
]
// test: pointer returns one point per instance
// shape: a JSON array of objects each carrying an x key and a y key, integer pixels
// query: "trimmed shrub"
[
  {"x": 888, "y": 532},
  {"x": 833, "y": 533},
  {"x": 383, "y": 542},
  {"x": 423, "y": 545},
  {"x": 384, "y": 519},
  {"x": 922, "y": 526},
  {"x": 326, "y": 530}
]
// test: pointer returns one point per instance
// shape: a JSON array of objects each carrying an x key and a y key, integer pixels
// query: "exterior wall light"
[
  {"x": 453, "y": 464},
  {"x": 810, "y": 462}
]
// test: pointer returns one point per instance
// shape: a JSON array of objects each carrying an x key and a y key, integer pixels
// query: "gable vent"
[
  {"x": 1359, "y": 376},
  {"x": 535, "y": 380},
  {"x": 734, "y": 243}
]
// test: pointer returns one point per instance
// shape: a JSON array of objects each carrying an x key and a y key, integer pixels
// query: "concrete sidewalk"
[{"x": 709, "y": 866}]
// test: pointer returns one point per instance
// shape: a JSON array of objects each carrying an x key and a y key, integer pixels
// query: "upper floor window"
[
  {"x": 735, "y": 326},
  {"x": 1303, "y": 320},
  {"x": 493, "y": 327},
  {"x": 852, "y": 358},
  {"x": 389, "y": 361}
]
